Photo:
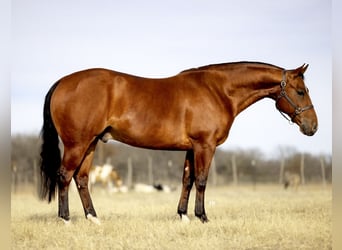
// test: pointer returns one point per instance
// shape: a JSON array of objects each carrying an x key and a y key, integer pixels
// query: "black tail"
[{"x": 50, "y": 153}]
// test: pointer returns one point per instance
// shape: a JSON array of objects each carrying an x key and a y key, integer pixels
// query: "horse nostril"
[
  {"x": 309, "y": 130},
  {"x": 314, "y": 128},
  {"x": 312, "y": 131}
]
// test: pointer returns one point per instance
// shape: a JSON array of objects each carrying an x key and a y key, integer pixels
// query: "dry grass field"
[{"x": 266, "y": 217}]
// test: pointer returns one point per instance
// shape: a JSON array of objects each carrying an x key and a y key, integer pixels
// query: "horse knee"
[
  {"x": 201, "y": 183},
  {"x": 188, "y": 183}
]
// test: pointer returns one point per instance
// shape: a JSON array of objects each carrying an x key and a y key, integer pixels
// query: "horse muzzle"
[{"x": 308, "y": 129}]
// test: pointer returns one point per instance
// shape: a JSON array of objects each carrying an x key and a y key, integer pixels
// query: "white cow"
[{"x": 106, "y": 175}]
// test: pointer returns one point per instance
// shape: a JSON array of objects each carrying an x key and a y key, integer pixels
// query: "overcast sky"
[{"x": 51, "y": 39}]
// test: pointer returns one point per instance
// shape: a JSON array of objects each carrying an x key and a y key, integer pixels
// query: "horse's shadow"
[{"x": 52, "y": 218}]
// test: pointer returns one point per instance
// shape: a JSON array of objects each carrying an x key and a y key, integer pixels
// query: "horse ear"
[
  {"x": 300, "y": 71},
  {"x": 304, "y": 67}
]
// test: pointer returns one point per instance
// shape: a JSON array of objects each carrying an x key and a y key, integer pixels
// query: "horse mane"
[{"x": 224, "y": 66}]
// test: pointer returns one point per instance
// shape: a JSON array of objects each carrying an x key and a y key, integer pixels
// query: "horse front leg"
[
  {"x": 203, "y": 157},
  {"x": 81, "y": 178},
  {"x": 188, "y": 180}
]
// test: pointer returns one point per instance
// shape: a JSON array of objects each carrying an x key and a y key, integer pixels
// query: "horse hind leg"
[
  {"x": 64, "y": 179},
  {"x": 71, "y": 160},
  {"x": 188, "y": 180},
  {"x": 81, "y": 178}
]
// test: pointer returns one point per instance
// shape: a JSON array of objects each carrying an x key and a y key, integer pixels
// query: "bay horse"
[{"x": 192, "y": 111}]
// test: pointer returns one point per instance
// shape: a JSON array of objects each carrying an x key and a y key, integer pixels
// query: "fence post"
[
  {"x": 253, "y": 172},
  {"x": 213, "y": 172},
  {"x": 281, "y": 174},
  {"x": 150, "y": 170},
  {"x": 323, "y": 171},
  {"x": 35, "y": 173},
  {"x": 302, "y": 176},
  {"x": 14, "y": 177},
  {"x": 234, "y": 168},
  {"x": 129, "y": 172}
]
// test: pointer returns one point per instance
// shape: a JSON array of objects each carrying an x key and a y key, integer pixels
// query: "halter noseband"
[{"x": 297, "y": 110}]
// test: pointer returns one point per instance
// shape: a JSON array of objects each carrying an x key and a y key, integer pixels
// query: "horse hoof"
[
  {"x": 93, "y": 219},
  {"x": 66, "y": 222},
  {"x": 204, "y": 219},
  {"x": 185, "y": 219}
]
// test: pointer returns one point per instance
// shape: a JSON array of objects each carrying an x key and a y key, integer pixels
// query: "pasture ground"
[{"x": 265, "y": 217}]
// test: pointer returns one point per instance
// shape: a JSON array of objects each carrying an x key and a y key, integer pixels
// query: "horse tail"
[{"x": 50, "y": 153}]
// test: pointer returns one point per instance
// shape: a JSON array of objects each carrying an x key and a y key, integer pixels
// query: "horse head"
[{"x": 294, "y": 101}]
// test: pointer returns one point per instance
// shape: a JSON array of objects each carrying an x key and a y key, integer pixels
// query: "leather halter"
[{"x": 297, "y": 110}]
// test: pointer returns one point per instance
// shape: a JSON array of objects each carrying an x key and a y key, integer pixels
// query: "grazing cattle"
[
  {"x": 291, "y": 180},
  {"x": 107, "y": 176}
]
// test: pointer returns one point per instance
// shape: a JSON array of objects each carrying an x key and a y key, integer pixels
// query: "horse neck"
[{"x": 245, "y": 86}]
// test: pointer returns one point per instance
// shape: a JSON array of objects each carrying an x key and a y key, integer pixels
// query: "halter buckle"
[
  {"x": 298, "y": 110},
  {"x": 283, "y": 83}
]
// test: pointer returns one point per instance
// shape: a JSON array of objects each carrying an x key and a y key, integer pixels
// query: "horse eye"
[{"x": 300, "y": 92}]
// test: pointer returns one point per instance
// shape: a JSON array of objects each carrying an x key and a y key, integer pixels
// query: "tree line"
[{"x": 137, "y": 165}]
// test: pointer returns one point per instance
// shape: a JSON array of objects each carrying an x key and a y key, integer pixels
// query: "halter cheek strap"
[{"x": 297, "y": 110}]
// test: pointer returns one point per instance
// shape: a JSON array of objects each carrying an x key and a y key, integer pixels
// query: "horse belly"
[{"x": 153, "y": 135}]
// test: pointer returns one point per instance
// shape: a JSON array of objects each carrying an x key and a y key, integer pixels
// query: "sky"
[{"x": 50, "y": 39}]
